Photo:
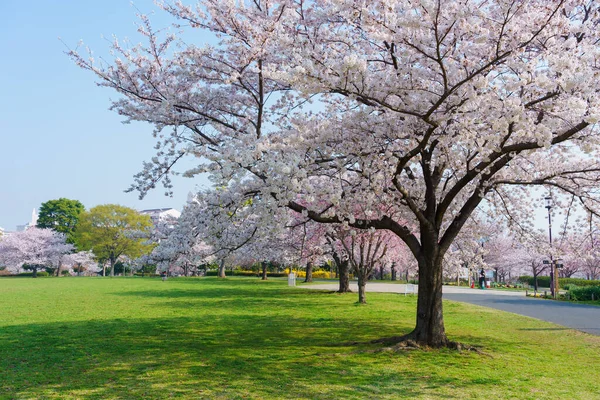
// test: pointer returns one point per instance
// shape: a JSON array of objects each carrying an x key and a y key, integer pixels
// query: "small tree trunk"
[
  {"x": 343, "y": 269},
  {"x": 112, "y": 267},
  {"x": 393, "y": 269},
  {"x": 344, "y": 277},
  {"x": 381, "y": 267},
  {"x": 362, "y": 284},
  {"x": 264, "y": 271},
  {"x": 222, "y": 269},
  {"x": 309, "y": 268},
  {"x": 34, "y": 272}
]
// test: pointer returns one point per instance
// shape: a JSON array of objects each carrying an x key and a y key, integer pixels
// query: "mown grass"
[{"x": 242, "y": 338}]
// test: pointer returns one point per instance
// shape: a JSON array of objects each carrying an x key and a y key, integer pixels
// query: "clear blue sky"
[{"x": 57, "y": 137}]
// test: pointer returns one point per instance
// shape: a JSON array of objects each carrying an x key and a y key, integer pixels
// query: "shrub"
[
  {"x": 40, "y": 273},
  {"x": 316, "y": 274},
  {"x": 544, "y": 281},
  {"x": 585, "y": 293}
]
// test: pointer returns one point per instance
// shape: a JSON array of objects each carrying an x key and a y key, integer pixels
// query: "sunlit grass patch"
[{"x": 243, "y": 338}]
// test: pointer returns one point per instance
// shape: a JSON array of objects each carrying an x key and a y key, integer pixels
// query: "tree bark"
[
  {"x": 309, "y": 269},
  {"x": 430, "y": 329},
  {"x": 362, "y": 283},
  {"x": 112, "y": 266},
  {"x": 344, "y": 277},
  {"x": 393, "y": 268},
  {"x": 222, "y": 269},
  {"x": 264, "y": 271},
  {"x": 343, "y": 268}
]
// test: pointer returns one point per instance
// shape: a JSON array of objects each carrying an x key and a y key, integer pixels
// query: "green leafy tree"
[
  {"x": 60, "y": 215},
  {"x": 111, "y": 231}
]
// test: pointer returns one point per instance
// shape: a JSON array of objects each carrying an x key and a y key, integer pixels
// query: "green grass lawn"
[{"x": 240, "y": 338}]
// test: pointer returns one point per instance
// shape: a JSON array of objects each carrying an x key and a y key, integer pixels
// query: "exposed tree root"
[{"x": 407, "y": 342}]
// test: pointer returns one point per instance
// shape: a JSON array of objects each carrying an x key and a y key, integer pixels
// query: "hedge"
[
  {"x": 544, "y": 281},
  {"x": 246, "y": 273},
  {"x": 585, "y": 293}
]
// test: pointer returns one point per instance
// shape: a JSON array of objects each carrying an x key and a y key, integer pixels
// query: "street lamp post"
[{"x": 553, "y": 272}]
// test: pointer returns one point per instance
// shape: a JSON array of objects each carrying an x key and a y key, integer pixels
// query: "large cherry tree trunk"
[
  {"x": 309, "y": 270},
  {"x": 429, "y": 329}
]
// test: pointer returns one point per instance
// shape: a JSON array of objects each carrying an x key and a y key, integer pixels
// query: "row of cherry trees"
[
  {"x": 79, "y": 241},
  {"x": 208, "y": 232},
  {"x": 422, "y": 113},
  {"x": 37, "y": 249}
]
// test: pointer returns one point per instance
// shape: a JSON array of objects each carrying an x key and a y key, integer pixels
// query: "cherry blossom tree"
[
  {"x": 583, "y": 253},
  {"x": 364, "y": 250},
  {"x": 179, "y": 245},
  {"x": 83, "y": 261},
  {"x": 427, "y": 110},
  {"x": 34, "y": 248},
  {"x": 506, "y": 256}
]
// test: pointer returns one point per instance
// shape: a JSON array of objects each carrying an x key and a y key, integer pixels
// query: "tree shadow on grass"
[{"x": 240, "y": 356}]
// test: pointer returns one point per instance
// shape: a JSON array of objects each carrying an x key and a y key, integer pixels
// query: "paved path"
[{"x": 582, "y": 317}]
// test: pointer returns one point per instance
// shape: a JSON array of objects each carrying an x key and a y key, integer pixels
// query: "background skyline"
[{"x": 57, "y": 136}]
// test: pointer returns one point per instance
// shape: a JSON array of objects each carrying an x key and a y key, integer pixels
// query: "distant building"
[
  {"x": 160, "y": 214},
  {"x": 32, "y": 223},
  {"x": 4, "y": 233}
]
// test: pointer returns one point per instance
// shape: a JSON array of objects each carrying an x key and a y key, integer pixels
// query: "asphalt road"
[{"x": 582, "y": 317}]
